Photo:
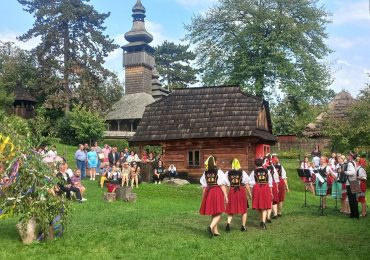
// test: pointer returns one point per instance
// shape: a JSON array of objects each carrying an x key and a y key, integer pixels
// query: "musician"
[
  {"x": 275, "y": 187},
  {"x": 324, "y": 171},
  {"x": 350, "y": 171},
  {"x": 261, "y": 181},
  {"x": 361, "y": 174},
  {"x": 342, "y": 178},
  {"x": 214, "y": 183},
  {"x": 306, "y": 165},
  {"x": 283, "y": 183},
  {"x": 238, "y": 180}
]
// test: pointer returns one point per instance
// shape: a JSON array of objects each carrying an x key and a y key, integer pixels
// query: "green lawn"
[{"x": 165, "y": 224}]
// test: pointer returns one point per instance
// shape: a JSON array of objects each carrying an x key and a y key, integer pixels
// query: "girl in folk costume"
[
  {"x": 238, "y": 180},
  {"x": 261, "y": 181},
  {"x": 214, "y": 183},
  {"x": 283, "y": 183},
  {"x": 361, "y": 174},
  {"x": 306, "y": 165},
  {"x": 322, "y": 185},
  {"x": 342, "y": 178},
  {"x": 275, "y": 187}
]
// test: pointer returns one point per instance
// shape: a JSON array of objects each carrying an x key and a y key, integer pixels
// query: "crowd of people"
[
  {"x": 265, "y": 186},
  {"x": 342, "y": 177}
]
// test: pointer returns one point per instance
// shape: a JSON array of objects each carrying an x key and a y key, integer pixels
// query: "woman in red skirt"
[
  {"x": 275, "y": 187},
  {"x": 238, "y": 180},
  {"x": 361, "y": 173},
  {"x": 214, "y": 183},
  {"x": 261, "y": 181},
  {"x": 283, "y": 183}
]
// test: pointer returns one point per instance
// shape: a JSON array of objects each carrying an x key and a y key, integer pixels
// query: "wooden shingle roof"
[
  {"x": 206, "y": 112},
  {"x": 22, "y": 94}
]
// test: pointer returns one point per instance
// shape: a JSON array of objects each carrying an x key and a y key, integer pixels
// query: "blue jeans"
[{"x": 81, "y": 165}]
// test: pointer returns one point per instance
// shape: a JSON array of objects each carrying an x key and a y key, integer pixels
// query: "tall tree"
[
  {"x": 174, "y": 64},
  {"x": 72, "y": 42},
  {"x": 265, "y": 46}
]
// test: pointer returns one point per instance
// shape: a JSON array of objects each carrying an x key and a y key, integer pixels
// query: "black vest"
[
  {"x": 211, "y": 177},
  {"x": 278, "y": 169},
  {"x": 342, "y": 177},
  {"x": 322, "y": 172},
  {"x": 235, "y": 178},
  {"x": 261, "y": 175}
]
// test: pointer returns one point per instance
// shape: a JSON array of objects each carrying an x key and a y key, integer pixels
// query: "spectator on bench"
[
  {"x": 158, "y": 173},
  {"x": 172, "y": 171},
  {"x": 65, "y": 184}
]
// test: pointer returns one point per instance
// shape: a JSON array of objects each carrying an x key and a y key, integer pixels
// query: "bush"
[
  {"x": 65, "y": 132},
  {"x": 121, "y": 144}
]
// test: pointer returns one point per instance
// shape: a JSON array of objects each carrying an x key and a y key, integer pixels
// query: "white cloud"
[
  {"x": 352, "y": 12},
  {"x": 12, "y": 37},
  {"x": 194, "y": 3}
]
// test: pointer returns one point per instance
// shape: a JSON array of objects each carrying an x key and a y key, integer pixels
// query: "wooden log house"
[{"x": 192, "y": 123}]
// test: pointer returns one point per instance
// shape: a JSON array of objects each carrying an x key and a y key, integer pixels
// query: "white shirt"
[
  {"x": 245, "y": 178},
  {"x": 305, "y": 165},
  {"x": 70, "y": 173},
  {"x": 316, "y": 161},
  {"x": 52, "y": 154},
  {"x": 351, "y": 172},
  {"x": 361, "y": 173},
  {"x": 222, "y": 179},
  {"x": 252, "y": 181}
]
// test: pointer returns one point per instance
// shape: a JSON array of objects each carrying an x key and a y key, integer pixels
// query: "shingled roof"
[
  {"x": 206, "y": 112},
  {"x": 130, "y": 106},
  {"x": 337, "y": 108},
  {"x": 22, "y": 94}
]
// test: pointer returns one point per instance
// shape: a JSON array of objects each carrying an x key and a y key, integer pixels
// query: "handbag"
[
  {"x": 101, "y": 156},
  {"x": 355, "y": 186}
]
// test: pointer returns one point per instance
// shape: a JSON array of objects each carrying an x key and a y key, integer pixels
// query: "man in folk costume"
[
  {"x": 214, "y": 183},
  {"x": 261, "y": 183},
  {"x": 283, "y": 183},
  {"x": 238, "y": 180},
  {"x": 275, "y": 187},
  {"x": 350, "y": 171}
]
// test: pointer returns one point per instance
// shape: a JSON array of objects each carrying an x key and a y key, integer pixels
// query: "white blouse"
[
  {"x": 283, "y": 173},
  {"x": 361, "y": 173},
  {"x": 222, "y": 179},
  {"x": 252, "y": 181},
  {"x": 245, "y": 178}
]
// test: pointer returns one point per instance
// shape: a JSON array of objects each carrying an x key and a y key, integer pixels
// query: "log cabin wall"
[{"x": 225, "y": 150}]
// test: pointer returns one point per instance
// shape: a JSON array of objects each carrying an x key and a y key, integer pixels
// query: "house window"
[{"x": 194, "y": 158}]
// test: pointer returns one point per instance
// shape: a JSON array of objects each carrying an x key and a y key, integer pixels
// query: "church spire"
[{"x": 138, "y": 32}]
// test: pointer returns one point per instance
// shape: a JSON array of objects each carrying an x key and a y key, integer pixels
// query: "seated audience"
[
  {"x": 65, "y": 184},
  {"x": 76, "y": 181},
  {"x": 158, "y": 173},
  {"x": 105, "y": 175},
  {"x": 172, "y": 171},
  {"x": 125, "y": 173}
]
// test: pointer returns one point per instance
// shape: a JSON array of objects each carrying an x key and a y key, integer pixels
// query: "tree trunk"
[
  {"x": 28, "y": 233},
  {"x": 66, "y": 66}
]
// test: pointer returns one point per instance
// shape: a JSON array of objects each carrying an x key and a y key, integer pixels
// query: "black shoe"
[
  {"x": 263, "y": 225},
  {"x": 227, "y": 228},
  {"x": 209, "y": 230},
  {"x": 268, "y": 220},
  {"x": 279, "y": 215},
  {"x": 275, "y": 217},
  {"x": 243, "y": 229},
  {"x": 216, "y": 234}
]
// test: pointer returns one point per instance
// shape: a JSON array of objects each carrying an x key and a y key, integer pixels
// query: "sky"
[{"x": 349, "y": 32}]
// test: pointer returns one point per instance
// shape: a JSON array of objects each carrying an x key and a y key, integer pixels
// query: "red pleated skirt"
[
  {"x": 238, "y": 202},
  {"x": 275, "y": 193},
  {"x": 213, "y": 202},
  {"x": 261, "y": 197},
  {"x": 344, "y": 191},
  {"x": 281, "y": 190},
  {"x": 362, "y": 197}
]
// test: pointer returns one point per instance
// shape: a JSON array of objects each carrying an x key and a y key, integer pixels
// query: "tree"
[
  {"x": 15, "y": 64},
  {"x": 173, "y": 63},
  {"x": 353, "y": 131},
  {"x": 265, "y": 46},
  {"x": 72, "y": 45},
  {"x": 81, "y": 125}
]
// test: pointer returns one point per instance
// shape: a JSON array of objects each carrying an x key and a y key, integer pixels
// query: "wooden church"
[{"x": 192, "y": 123}]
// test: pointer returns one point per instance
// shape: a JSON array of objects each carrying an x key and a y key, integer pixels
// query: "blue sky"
[{"x": 349, "y": 34}]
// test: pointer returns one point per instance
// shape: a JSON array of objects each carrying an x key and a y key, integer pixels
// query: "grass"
[{"x": 165, "y": 224}]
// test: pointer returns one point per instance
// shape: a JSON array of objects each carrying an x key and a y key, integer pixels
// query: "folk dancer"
[
  {"x": 275, "y": 187},
  {"x": 261, "y": 183},
  {"x": 283, "y": 183},
  {"x": 350, "y": 171},
  {"x": 361, "y": 174},
  {"x": 214, "y": 183},
  {"x": 306, "y": 165},
  {"x": 238, "y": 180}
]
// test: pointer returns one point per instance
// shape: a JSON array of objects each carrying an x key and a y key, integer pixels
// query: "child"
[
  {"x": 105, "y": 176},
  {"x": 125, "y": 173},
  {"x": 76, "y": 181}
]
